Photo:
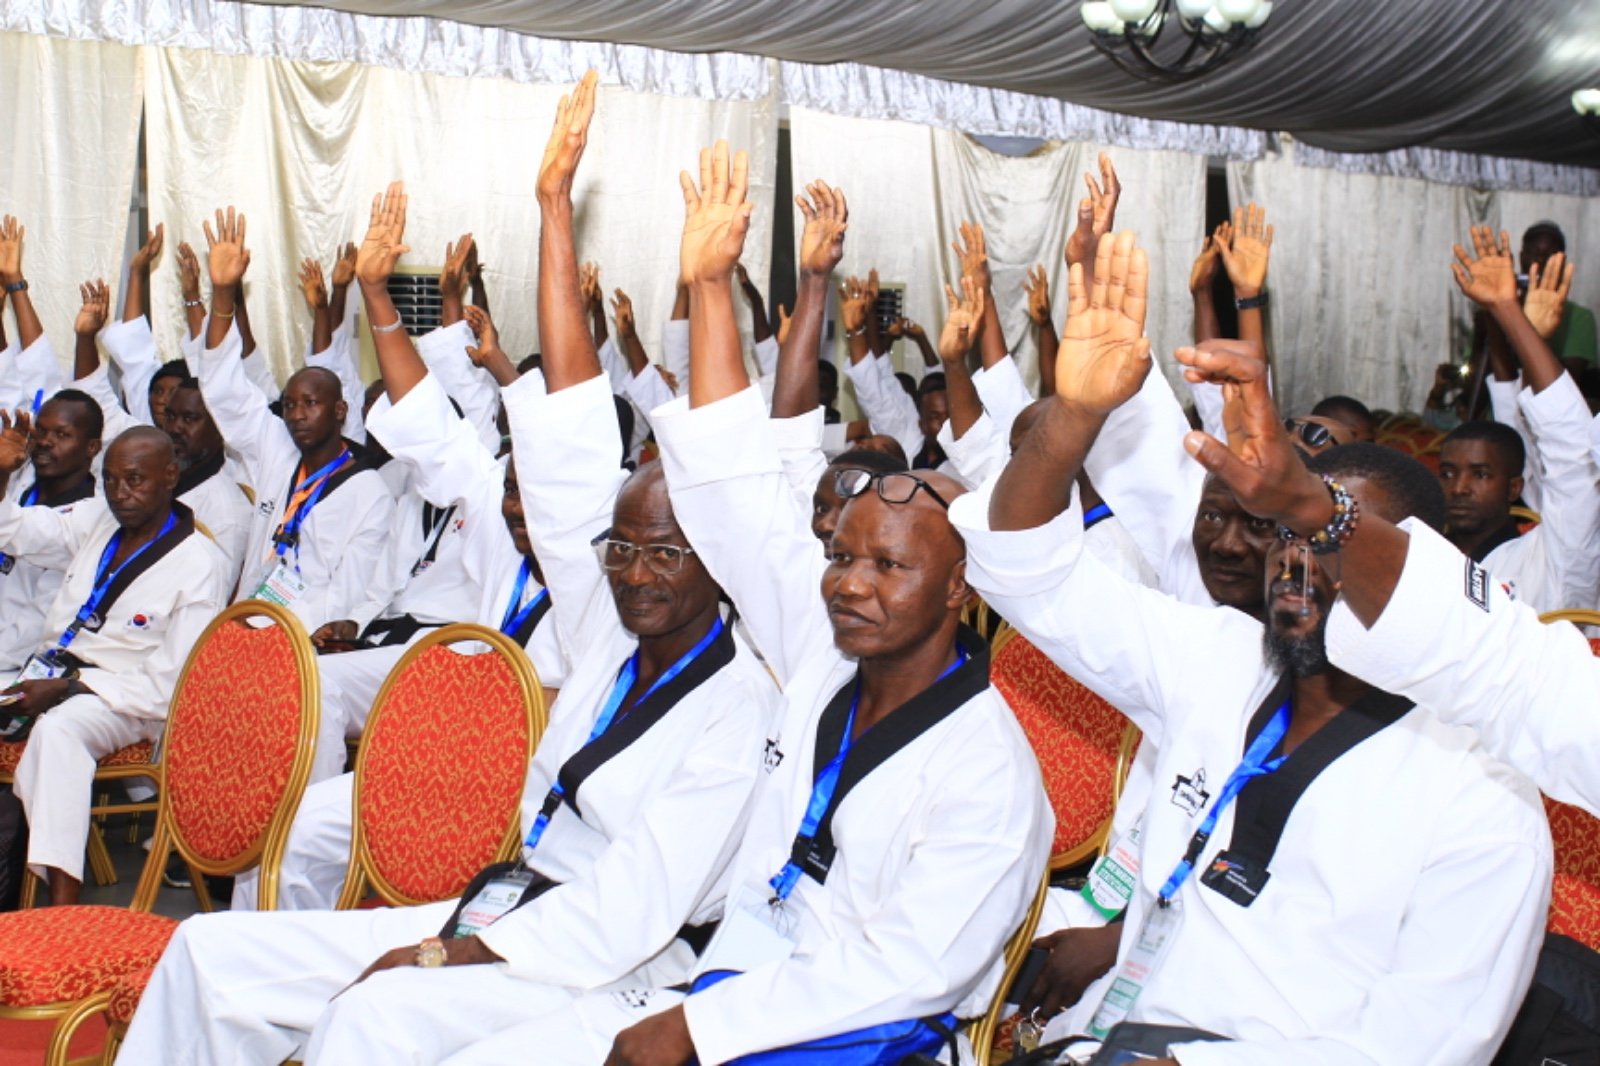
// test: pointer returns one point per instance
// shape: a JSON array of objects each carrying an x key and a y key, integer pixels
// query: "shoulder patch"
[{"x": 1477, "y": 585}]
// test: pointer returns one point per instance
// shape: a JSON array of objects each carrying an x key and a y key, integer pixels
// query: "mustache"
[{"x": 1294, "y": 586}]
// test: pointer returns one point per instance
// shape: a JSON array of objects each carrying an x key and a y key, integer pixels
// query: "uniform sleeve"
[
  {"x": 340, "y": 357},
  {"x": 1558, "y": 420},
  {"x": 36, "y": 370},
  {"x": 675, "y": 351},
  {"x": 1117, "y": 638},
  {"x": 979, "y": 453},
  {"x": 1004, "y": 394},
  {"x": 799, "y": 442},
  {"x": 1140, "y": 468},
  {"x": 615, "y": 364},
  {"x": 887, "y": 407},
  {"x": 47, "y": 537},
  {"x": 132, "y": 347},
  {"x": 647, "y": 391},
  {"x": 738, "y": 510},
  {"x": 1207, "y": 399},
  {"x": 445, "y": 353},
  {"x": 145, "y": 692},
  {"x": 930, "y": 942},
  {"x": 1451, "y": 640},
  {"x": 569, "y": 487},
  {"x": 594, "y": 930},
  {"x": 1503, "y": 405},
  {"x": 767, "y": 356},
  {"x": 1450, "y": 989},
  {"x": 259, "y": 374},
  {"x": 117, "y": 420},
  {"x": 387, "y": 578},
  {"x": 362, "y": 541},
  {"x": 239, "y": 407}
]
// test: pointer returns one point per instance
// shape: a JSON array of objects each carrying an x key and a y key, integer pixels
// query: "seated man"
[
  {"x": 140, "y": 587},
  {"x": 660, "y": 724},
  {"x": 59, "y": 456},
  {"x": 1351, "y": 413},
  {"x": 1481, "y": 464},
  {"x": 321, "y": 516},
  {"x": 1420, "y": 952},
  {"x": 888, "y": 902}
]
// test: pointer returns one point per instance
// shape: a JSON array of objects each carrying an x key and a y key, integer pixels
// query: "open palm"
[
  {"x": 384, "y": 243},
  {"x": 716, "y": 216},
  {"x": 1104, "y": 355}
]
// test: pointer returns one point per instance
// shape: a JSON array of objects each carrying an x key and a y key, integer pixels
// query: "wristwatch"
[
  {"x": 20, "y": 285},
  {"x": 431, "y": 953},
  {"x": 1259, "y": 300}
]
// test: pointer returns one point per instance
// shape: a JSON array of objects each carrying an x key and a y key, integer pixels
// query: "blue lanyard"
[
  {"x": 1095, "y": 514},
  {"x": 1255, "y": 765},
  {"x": 103, "y": 581},
  {"x": 826, "y": 783},
  {"x": 289, "y": 532},
  {"x": 516, "y": 611},
  {"x": 625, "y": 679}
]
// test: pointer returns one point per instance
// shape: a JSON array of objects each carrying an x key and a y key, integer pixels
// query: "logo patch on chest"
[
  {"x": 1189, "y": 793},
  {"x": 772, "y": 756}
]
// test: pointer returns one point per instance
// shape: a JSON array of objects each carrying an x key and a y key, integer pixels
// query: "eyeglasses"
[
  {"x": 892, "y": 488},
  {"x": 1311, "y": 434},
  {"x": 663, "y": 559}
]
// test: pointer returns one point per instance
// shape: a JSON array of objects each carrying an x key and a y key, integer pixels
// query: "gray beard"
[{"x": 1297, "y": 656}]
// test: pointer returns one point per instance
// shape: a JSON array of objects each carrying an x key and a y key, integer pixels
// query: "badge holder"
[
  {"x": 1145, "y": 953},
  {"x": 498, "y": 890},
  {"x": 41, "y": 666},
  {"x": 754, "y": 931},
  {"x": 283, "y": 585}
]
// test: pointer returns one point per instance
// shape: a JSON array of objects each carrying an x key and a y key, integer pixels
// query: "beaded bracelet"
[{"x": 1340, "y": 528}]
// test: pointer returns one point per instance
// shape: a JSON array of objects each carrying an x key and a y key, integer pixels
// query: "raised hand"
[
  {"x": 1489, "y": 275},
  {"x": 716, "y": 216},
  {"x": 1246, "y": 252},
  {"x": 783, "y": 324},
  {"x": 14, "y": 434},
  {"x": 1037, "y": 286},
  {"x": 1097, "y": 215},
  {"x": 669, "y": 377},
  {"x": 853, "y": 304},
  {"x": 188, "y": 272},
  {"x": 568, "y": 138},
  {"x": 488, "y": 336},
  {"x": 312, "y": 286},
  {"x": 973, "y": 252},
  {"x": 622, "y": 308},
  {"x": 594, "y": 299},
  {"x": 963, "y": 319},
  {"x": 453, "y": 275},
  {"x": 344, "y": 267},
  {"x": 1547, "y": 294},
  {"x": 1205, "y": 264},
  {"x": 96, "y": 307},
  {"x": 150, "y": 249},
  {"x": 228, "y": 258},
  {"x": 11, "y": 234},
  {"x": 1104, "y": 354},
  {"x": 827, "y": 217},
  {"x": 384, "y": 243}
]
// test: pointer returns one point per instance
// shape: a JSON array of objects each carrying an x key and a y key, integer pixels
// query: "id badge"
[
  {"x": 494, "y": 901},
  {"x": 1110, "y": 884},
  {"x": 1144, "y": 955},
  {"x": 753, "y": 933},
  {"x": 41, "y": 666},
  {"x": 283, "y": 585}
]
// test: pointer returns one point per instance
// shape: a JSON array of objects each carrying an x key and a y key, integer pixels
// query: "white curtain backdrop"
[
  {"x": 911, "y": 186},
  {"x": 1362, "y": 298},
  {"x": 67, "y": 148},
  {"x": 302, "y": 147}
]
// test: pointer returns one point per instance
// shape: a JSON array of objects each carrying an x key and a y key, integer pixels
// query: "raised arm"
[
  {"x": 380, "y": 250},
  {"x": 453, "y": 279},
  {"x": 1097, "y": 215},
  {"x": 487, "y": 354},
  {"x": 133, "y": 300},
  {"x": 905, "y": 327},
  {"x": 568, "y": 347},
  {"x": 194, "y": 310},
  {"x": 315, "y": 290},
  {"x": 973, "y": 251},
  {"x": 760, "y": 328},
  {"x": 227, "y": 261},
  {"x": 344, "y": 272},
  {"x": 964, "y": 319},
  {"x": 800, "y": 349},
  {"x": 1038, "y": 289},
  {"x": 1202, "y": 276},
  {"x": 87, "y": 326},
  {"x": 16, "y": 284},
  {"x": 717, "y": 218},
  {"x": 1488, "y": 277},
  {"x": 1244, "y": 255},
  {"x": 628, "y": 334},
  {"x": 594, "y": 299}
]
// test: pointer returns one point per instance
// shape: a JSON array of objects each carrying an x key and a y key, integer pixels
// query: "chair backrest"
[
  {"x": 442, "y": 765},
  {"x": 240, "y": 736},
  {"x": 1575, "y": 891},
  {"x": 1077, "y": 737},
  {"x": 982, "y": 1034}
]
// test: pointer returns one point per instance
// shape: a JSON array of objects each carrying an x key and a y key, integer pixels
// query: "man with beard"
[{"x": 1365, "y": 882}]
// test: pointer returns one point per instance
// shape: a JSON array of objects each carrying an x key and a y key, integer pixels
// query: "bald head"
[
  {"x": 140, "y": 478},
  {"x": 314, "y": 409}
]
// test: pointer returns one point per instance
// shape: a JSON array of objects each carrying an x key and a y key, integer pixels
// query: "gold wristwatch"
[{"x": 431, "y": 953}]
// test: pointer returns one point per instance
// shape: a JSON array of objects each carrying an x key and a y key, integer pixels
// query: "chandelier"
[
  {"x": 1129, "y": 31},
  {"x": 1586, "y": 102}
]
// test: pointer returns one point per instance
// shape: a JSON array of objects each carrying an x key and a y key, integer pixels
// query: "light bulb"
[
  {"x": 1259, "y": 19},
  {"x": 1586, "y": 101},
  {"x": 1133, "y": 10},
  {"x": 1215, "y": 21},
  {"x": 1194, "y": 9},
  {"x": 1238, "y": 10},
  {"x": 1098, "y": 16}
]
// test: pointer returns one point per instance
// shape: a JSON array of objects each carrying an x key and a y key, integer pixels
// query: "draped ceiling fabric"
[
  {"x": 301, "y": 148},
  {"x": 910, "y": 187},
  {"x": 68, "y": 143}
]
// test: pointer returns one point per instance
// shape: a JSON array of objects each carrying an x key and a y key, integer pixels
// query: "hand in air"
[
  {"x": 1096, "y": 215},
  {"x": 1547, "y": 294},
  {"x": 1246, "y": 252},
  {"x": 484, "y": 330},
  {"x": 453, "y": 275},
  {"x": 716, "y": 215},
  {"x": 589, "y": 287},
  {"x": 853, "y": 304},
  {"x": 1104, "y": 354},
  {"x": 188, "y": 272},
  {"x": 228, "y": 258},
  {"x": 1037, "y": 286},
  {"x": 384, "y": 243},
  {"x": 15, "y": 432},
  {"x": 622, "y": 310},
  {"x": 150, "y": 249},
  {"x": 1205, "y": 264},
  {"x": 312, "y": 286},
  {"x": 344, "y": 267},
  {"x": 568, "y": 138},
  {"x": 96, "y": 306},
  {"x": 1489, "y": 275},
  {"x": 783, "y": 325},
  {"x": 973, "y": 252},
  {"x": 827, "y": 217},
  {"x": 962, "y": 321},
  {"x": 11, "y": 234}
]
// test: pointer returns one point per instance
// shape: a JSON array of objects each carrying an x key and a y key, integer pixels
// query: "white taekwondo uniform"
[
  {"x": 132, "y": 347},
  {"x": 1450, "y": 638},
  {"x": 170, "y": 592},
  {"x": 658, "y": 823},
  {"x": 27, "y": 372},
  {"x": 211, "y": 490},
  {"x": 444, "y": 350},
  {"x": 26, "y": 587},
  {"x": 339, "y": 541},
  {"x": 940, "y": 848},
  {"x": 1554, "y": 565},
  {"x": 450, "y": 468},
  {"x": 1408, "y": 890}
]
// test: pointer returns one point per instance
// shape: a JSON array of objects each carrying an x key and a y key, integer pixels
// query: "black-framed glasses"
[
  {"x": 1311, "y": 434},
  {"x": 663, "y": 559},
  {"x": 892, "y": 488}
]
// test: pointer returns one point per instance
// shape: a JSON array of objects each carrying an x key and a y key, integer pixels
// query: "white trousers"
[
  {"x": 350, "y": 682},
  {"x": 576, "y": 1033},
  {"x": 317, "y": 855},
  {"x": 55, "y": 777}
]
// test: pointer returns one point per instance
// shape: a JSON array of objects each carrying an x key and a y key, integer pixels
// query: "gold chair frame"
[
  {"x": 362, "y": 873},
  {"x": 1525, "y": 514},
  {"x": 983, "y": 1030},
  {"x": 266, "y": 850},
  {"x": 1578, "y": 616}
]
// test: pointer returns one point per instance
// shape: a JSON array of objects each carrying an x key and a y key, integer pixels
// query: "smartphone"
[{"x": 1032, "y": 964}]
